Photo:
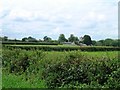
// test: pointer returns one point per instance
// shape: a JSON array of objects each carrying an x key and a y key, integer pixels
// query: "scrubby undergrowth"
[{"x": 74, "y": 69}]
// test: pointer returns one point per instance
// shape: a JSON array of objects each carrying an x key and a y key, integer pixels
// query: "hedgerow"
[
  {"x": 78, "y": 71},
  {"x": 64, "y": 48},
  {"x": 29, "y": 43},
  {"x": 68, "y": 69}
]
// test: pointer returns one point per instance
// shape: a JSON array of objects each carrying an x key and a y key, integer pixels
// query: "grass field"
[
  {"x": 19, "y": 81},
  {"x": 66, "y": 69}
]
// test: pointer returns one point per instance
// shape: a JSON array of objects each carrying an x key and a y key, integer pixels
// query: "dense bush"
[
  {"x": 79, "y": 70},
  {"x": 72, "y": 69},
  {"x": 18, "y": 60}
]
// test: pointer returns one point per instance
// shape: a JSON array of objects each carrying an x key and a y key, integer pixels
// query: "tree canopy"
[
  {"x": 72, "y": 38},
  {"x": 47, "y": 39},
  {"x": 62, "y": 38},
  {"x": 87, "y": 40}
]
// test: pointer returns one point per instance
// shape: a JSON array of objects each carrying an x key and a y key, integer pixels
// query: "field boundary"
[{"x": 63, "y": 48}]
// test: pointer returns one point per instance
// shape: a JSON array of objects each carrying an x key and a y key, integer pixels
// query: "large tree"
[
  {"x": 115, "y": 43},
  {"x": 47, "y": 39},
  {"x": 87, "y": 40},
  {"x": 5, "y": 38},
  {"x": 24, "y": 39},
  {"x": 62, "y": 38},
  {"x": 98, "y": 43},
  {"x": 108, "y": 42},
  {"x": 72, "y": 38},
  {"x": 93, "y": 42},
  {"x": 29, "y": 39}
]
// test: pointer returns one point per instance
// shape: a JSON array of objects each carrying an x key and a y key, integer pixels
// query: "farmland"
[
  {"x": 63, "y": 47},
  {"x": 38, "y": 68},
  {"x": 59, "y": 44}
]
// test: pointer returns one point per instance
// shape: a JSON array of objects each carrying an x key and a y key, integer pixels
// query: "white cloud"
[
  {"x": 20, "y": 14},
  {"x": 56, "y": 30},
  {"x": 52, "y": 17},
  {"x": 97, "y": 16},
  {"x": 94, "y": 20}
]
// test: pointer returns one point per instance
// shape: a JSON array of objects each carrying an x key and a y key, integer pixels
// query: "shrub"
[
  {"x": 80, "y": 71},
  {"x": 18, "y": 60},
  {"x": 73, "y": 69}
]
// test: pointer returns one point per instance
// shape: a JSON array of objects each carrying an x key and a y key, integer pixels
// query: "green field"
[{"x": 59, "y": 69}]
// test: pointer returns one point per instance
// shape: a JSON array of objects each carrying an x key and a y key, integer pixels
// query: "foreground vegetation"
[{"x": 69, "y": 69}]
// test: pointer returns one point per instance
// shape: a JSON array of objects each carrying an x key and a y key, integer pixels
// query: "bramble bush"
[
  {"x": 18, "y": 61},
  {"x": 68, "y": 70},
  {"x": 82, "y": 72}
]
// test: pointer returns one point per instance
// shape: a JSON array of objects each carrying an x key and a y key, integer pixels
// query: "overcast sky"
[{"x": 38, "y": 18}]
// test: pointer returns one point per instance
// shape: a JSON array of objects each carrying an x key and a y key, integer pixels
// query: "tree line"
[{"x": 86, "y": 39}]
